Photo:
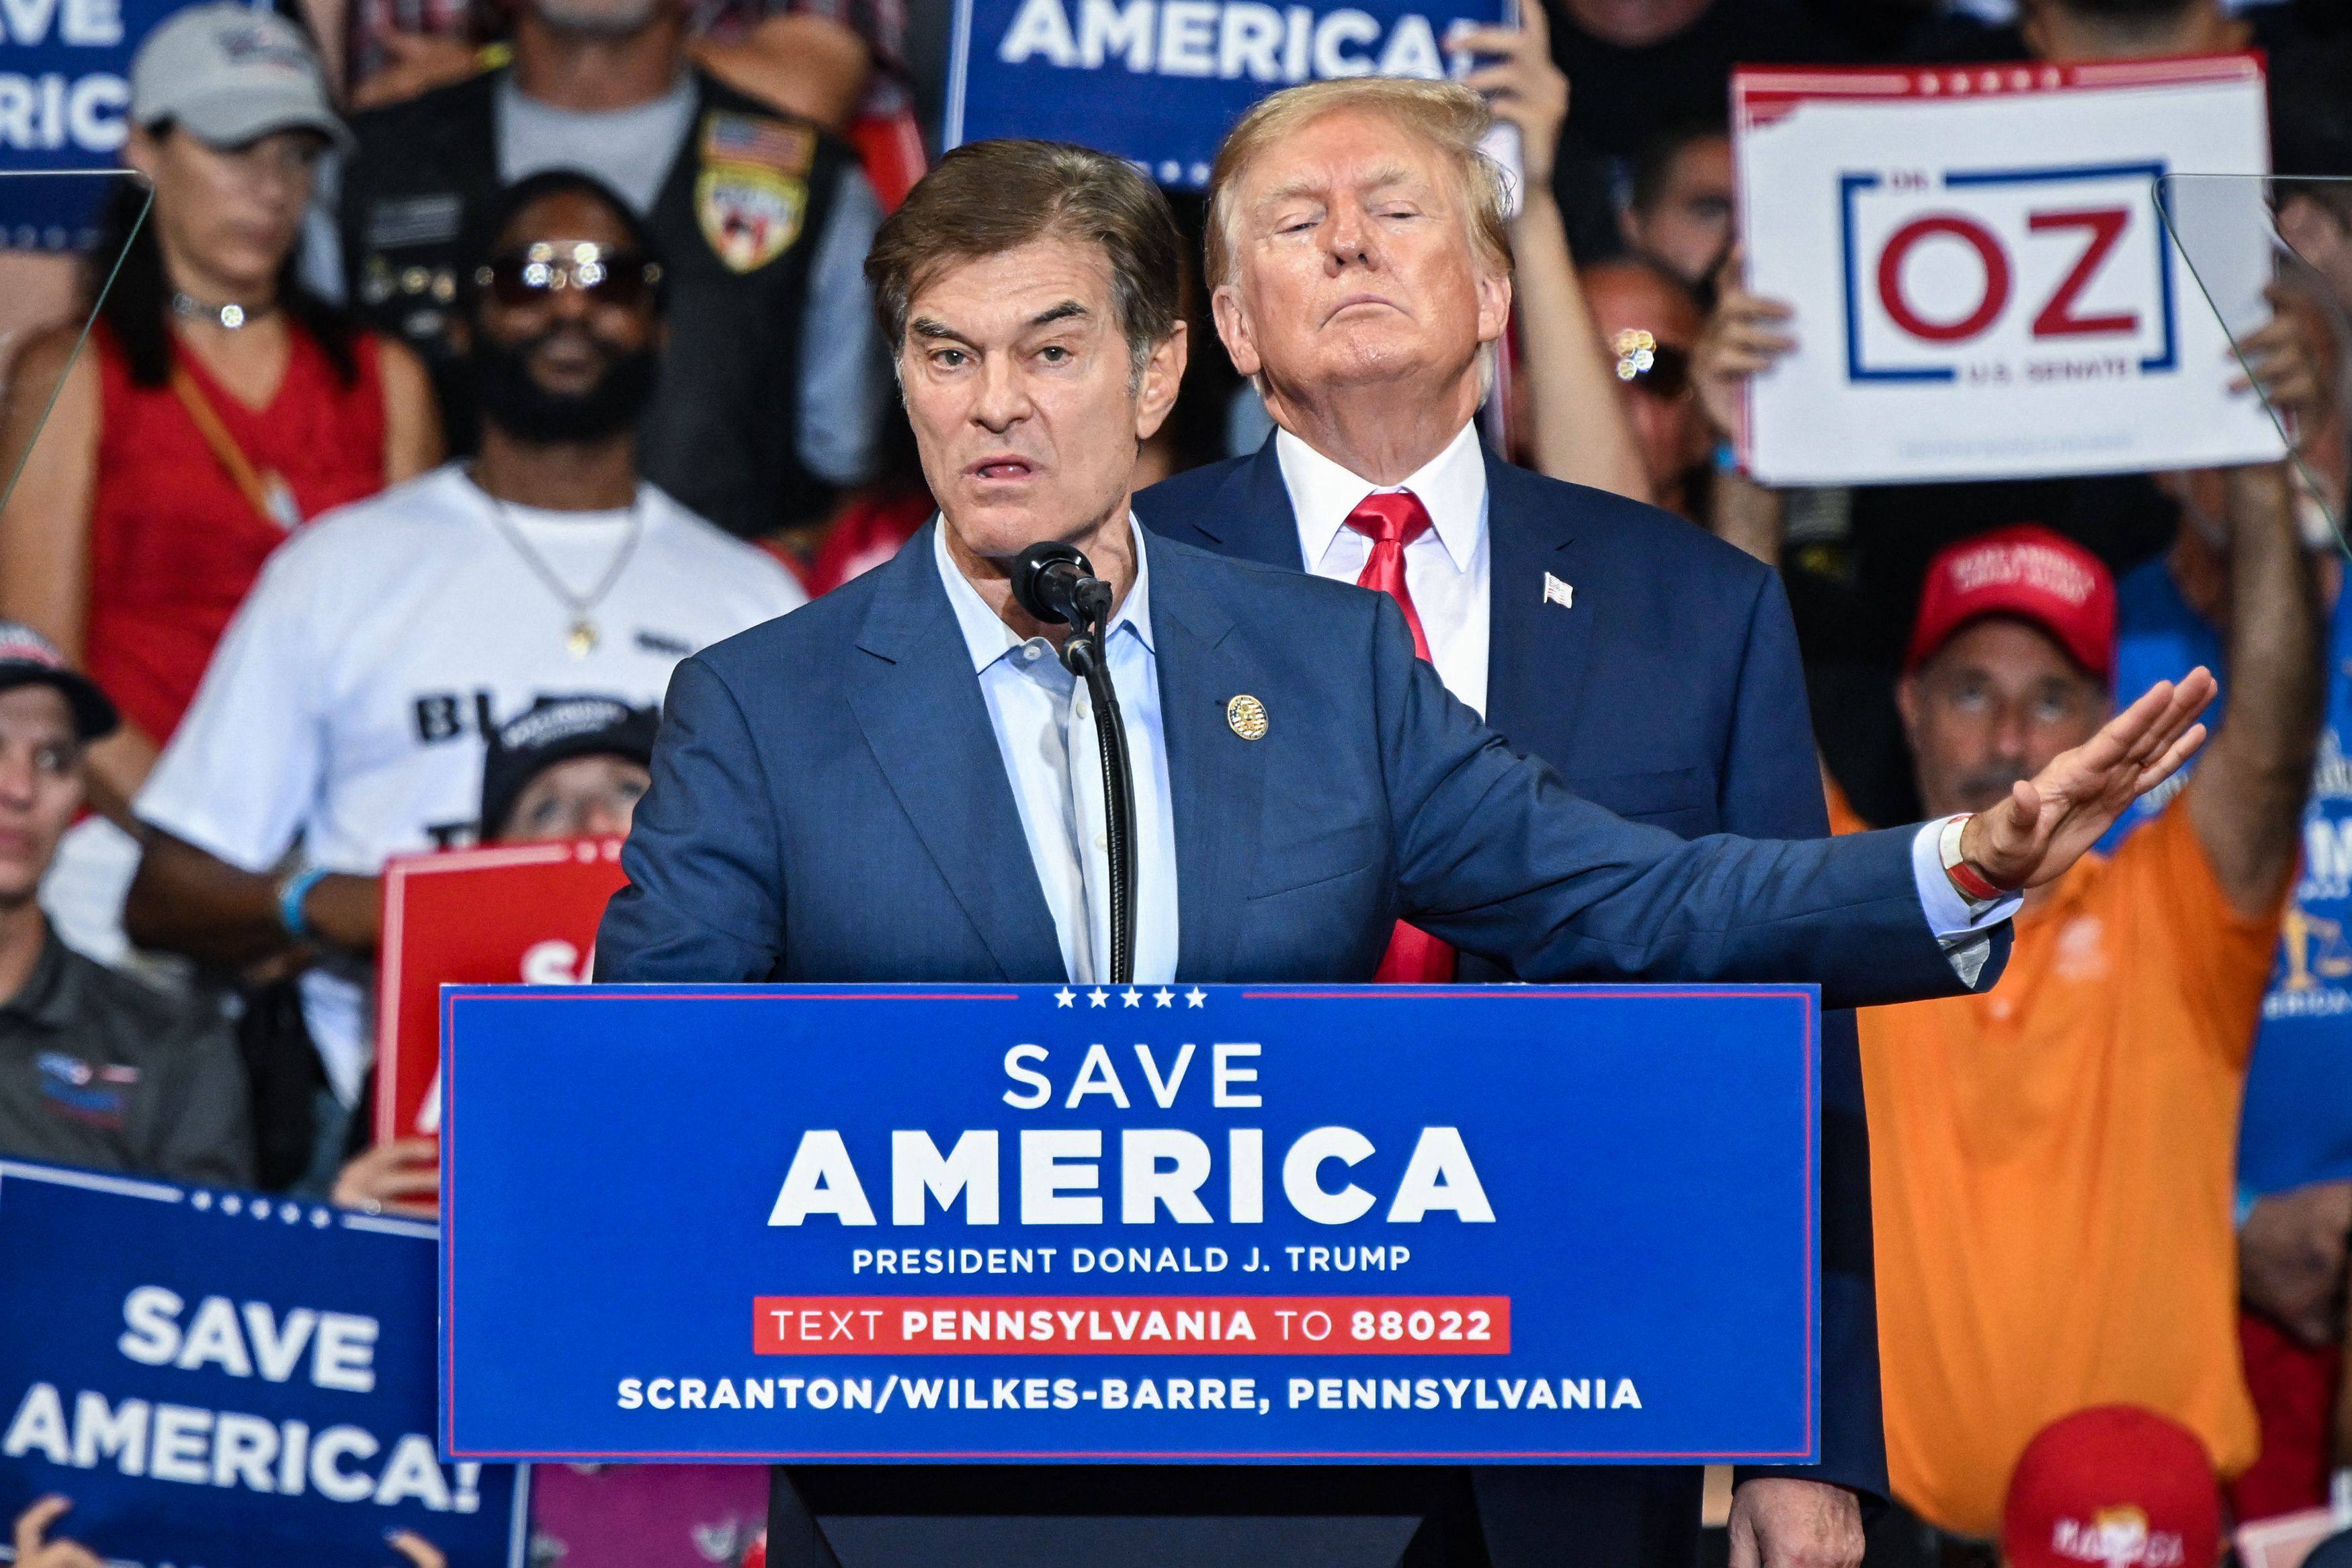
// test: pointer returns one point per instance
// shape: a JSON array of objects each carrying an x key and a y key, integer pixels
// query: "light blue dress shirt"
[{"x": 1044, "y": 724}]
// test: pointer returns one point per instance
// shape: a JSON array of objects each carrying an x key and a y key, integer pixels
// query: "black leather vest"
[{"x": 737, "y": 218}]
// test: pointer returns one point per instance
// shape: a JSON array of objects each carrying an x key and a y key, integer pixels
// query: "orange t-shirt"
[{"x": 2050, "y": 1170}]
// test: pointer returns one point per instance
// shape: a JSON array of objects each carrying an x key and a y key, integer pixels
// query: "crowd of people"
[{"x": 475, "y": 365}]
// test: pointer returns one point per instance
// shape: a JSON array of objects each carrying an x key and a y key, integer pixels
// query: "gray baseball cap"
[{"x": 231, "y": 74}]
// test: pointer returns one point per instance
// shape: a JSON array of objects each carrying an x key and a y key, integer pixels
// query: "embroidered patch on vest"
[
  {"x": 750, "y": 214},
  {"x": 777, "y": 144}
]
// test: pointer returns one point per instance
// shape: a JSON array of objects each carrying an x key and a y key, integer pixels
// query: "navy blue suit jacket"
[
  {"x": 828, "y": 803},
  {"x": 1670, "y": 693}
]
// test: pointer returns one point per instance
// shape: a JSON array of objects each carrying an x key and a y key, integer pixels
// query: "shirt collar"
[
  {"x": 987, "y": 636},
  {"x": 1451, "y": 484}
]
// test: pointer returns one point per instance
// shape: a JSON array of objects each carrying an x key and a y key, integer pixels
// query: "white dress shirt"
[
  {"x": 1448, "y": 572},
  {"x": 1044, "y": 724},
  {"x": 1446, "y": 569}
]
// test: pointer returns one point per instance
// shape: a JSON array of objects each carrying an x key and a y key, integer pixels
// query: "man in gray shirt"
[
  {"x": 773, "y": 390},
  {"x": 95, "y": 1069}
]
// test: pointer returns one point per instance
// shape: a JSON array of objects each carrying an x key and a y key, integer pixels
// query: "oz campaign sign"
[
  {"x": 521, "y": 912},
  {"x": 1982, "y": 283},
  {"x": 1025, "y": 1223},
  {"x": 227, "y": 1380},
  {"x": 1159, "y": 83}
]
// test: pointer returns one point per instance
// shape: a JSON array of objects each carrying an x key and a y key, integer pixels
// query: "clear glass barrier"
[
  {"x": 63, "y": 236},
  {"x": 2265, "y": 248}
]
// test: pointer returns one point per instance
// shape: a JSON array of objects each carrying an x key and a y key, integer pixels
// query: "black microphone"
[{"x": 1053, "y": 582}]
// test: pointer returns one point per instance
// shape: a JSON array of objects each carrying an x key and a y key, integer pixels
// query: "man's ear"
[
  {"x": 1233, "y": 330},
  {"x": 461, "y": 332},
  {"x": 1163, "y": 375},
  {"x": 1493, "y": 304}
]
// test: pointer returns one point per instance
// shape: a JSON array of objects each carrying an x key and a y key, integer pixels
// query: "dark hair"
[
  {"x": 988, "y": 197},
  {"x": 1654, "y": 160},
  {"x": 484, "y": 226},
  {"x": 138, "y": 308}
]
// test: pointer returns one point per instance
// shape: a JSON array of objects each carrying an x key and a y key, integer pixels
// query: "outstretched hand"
[{"x": 2047, "y": 824}]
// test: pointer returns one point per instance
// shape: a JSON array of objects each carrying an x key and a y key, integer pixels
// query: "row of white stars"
[{"x": 1133, "y": 997}]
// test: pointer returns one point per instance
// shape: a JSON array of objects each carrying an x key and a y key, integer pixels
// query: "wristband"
[
  {"x": 292, "y": 894},
  {"x": 1972, "y": 882}
]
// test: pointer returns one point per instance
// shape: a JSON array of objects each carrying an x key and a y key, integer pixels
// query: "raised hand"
[
  {"x": 35, "y": 1550},
  {"x": 1524, "y": 84},
  {"x": 2047, "y": 822},
  {"x": 1746, "y": 335}
]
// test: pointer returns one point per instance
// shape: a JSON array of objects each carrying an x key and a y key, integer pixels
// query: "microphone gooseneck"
[{"x": 1055, "y": 583}]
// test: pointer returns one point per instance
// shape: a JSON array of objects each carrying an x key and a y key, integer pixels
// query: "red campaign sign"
[
  {"x": 523, "y": 912},
  {"x": 1132, "y": 1325}
]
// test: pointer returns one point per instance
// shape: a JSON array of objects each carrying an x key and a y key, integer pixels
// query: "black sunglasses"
[
  {"x": 1659, "y": 369},
  {"x": 530, "y": 276}
]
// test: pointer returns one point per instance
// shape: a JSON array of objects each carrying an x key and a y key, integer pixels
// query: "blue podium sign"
[
  {"x": 1178, "y": 1223},
  {"x": 221, "y": 1378},
  {"x": 1159, "y": 82}
]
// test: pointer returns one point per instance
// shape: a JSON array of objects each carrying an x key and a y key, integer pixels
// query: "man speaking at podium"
[{"x": 898, "y": 782}]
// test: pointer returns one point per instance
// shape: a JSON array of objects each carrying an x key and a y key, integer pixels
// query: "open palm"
[{"x": 2047, "y": 824}]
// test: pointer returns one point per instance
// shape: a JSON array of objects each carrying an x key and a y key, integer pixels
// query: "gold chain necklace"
[{"x": 583, "y": 637}]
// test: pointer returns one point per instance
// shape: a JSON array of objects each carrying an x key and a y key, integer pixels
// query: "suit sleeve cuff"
[{"x": 1963, "y": 928}]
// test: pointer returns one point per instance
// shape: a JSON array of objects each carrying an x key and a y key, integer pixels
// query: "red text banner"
[{"x": 1132, "y": 1325}]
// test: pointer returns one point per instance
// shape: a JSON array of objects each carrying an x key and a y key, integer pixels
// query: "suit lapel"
[
  {"x": 1249, "y": 513},
  {"x": 1215, "y": 779},
  {"x": 928, "y": 726},
  {"x": 1537, "y": 652}
]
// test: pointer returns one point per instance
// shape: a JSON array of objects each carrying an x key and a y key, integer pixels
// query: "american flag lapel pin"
[{"x": 1557, "y": 592}]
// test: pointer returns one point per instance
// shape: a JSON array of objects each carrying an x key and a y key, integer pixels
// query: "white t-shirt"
[{"x": 346, "y": 705}]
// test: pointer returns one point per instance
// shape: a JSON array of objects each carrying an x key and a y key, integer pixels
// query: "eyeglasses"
[
  {"x": 1659, "y": 369},
  {"x": 529, "y": 276}
]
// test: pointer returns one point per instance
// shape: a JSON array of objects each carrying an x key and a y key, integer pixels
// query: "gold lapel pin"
[{"x": 1248, "y": 717}]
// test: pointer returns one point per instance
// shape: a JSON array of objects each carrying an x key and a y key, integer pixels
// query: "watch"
[{"x": 1971, "y": 882}]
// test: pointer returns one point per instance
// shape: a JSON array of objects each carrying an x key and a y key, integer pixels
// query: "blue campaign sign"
[
  {"x": 1159, "y": 83},
  {"x": 221, "y": 1379},
  {"x": 1373, "y": 1223},
  {"x": 65, "y": 100}
]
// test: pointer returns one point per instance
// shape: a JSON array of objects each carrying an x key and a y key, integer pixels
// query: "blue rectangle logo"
[
  {"x": 216, "y": 1378},
  {"x": 1022, "y": 1223},
  {"x": 1159, "y": 82}
]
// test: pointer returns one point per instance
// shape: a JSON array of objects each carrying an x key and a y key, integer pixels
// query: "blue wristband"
[{"x": 291, "y": 894}]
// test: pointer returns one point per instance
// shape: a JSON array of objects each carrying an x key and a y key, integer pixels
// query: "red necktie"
[{"x": 1392, "y": 519}]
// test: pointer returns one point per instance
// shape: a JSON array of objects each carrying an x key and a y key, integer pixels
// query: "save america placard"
[
  {"x": 227, "y": 1378},
  {"x": 1547, "y": 1225},
  {"x": 1159, "y": 82}
]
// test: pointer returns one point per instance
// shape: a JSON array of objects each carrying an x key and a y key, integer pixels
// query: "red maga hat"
[
  {"x": 2030, "y": 573},
  {"x": 2113, "y": 1487}
]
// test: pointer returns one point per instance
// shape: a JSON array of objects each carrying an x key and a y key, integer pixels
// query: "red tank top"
[{"x": 174, "y": 544}]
